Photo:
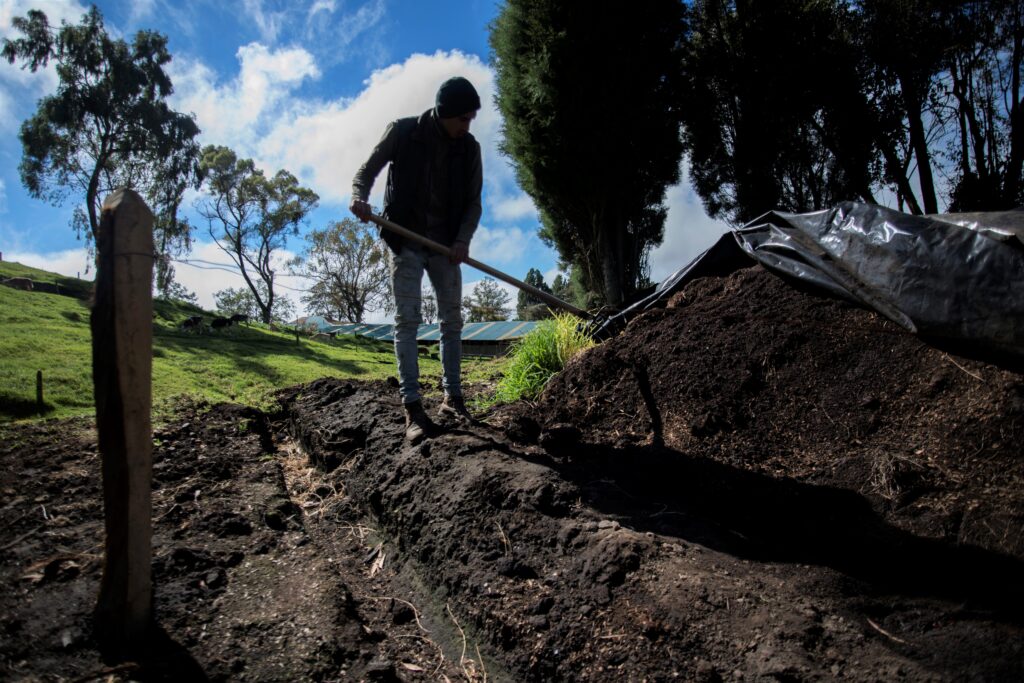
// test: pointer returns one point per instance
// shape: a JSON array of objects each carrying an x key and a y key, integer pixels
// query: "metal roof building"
[{"x": 489, "y": 339}]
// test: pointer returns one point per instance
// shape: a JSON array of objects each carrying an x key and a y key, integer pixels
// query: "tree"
[
  {"x": 591, "y": 102},
  {"x": 350, "y": 268},
  {"x": 176, "y": 291},
  {"x": 251, "y": 216},
  {"x": 108, "y": 125},
  {"x": 776, "y": 124},
  {"x": 428, "y": 304},
  {"x": 241, "y": 300},
  {"x": 529, "y": 307},
  {"x": 236, "y": 300},
  {"x": 488, "y": 302}
]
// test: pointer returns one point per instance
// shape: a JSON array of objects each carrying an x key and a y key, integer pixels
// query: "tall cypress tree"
[{"x": 591, "y": 101}]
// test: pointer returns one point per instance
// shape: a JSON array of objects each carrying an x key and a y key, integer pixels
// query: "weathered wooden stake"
[
  {"x": 39, "y": 391},
  {"x": 122, "y": 336}
]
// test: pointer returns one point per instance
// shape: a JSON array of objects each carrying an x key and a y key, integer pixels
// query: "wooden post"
[
  {"x": 122, "y": 336},
  {"x": 39, "y": 392}
]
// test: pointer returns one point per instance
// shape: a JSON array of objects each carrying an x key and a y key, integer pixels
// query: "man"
[{"x": 433, "y": 189}]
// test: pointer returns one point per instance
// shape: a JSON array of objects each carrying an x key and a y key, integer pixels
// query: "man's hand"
[
  {"x": 361, "y": 210},
  {"x": 460, "y": 252}
]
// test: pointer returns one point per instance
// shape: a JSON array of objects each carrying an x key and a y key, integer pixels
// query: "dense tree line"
[
  {"x": 792, "y": 105},
  {"x": 797, "y": 104}
]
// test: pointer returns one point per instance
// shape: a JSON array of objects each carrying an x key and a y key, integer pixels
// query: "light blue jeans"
[{"x": 407, "y": 270}]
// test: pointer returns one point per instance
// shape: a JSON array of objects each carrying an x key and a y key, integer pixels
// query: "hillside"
[
  {"x": 50, "y": 332},
  {"x": 751, "y": 484}
]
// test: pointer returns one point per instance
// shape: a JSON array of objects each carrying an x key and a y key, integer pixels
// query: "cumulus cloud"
[
  {"x": 237, "y": 112},
  {"x": 514, "y": 207},
  {"x": 501, "y": 245},
  {"x": 688, "y": 229},
  {"x": 69, "y": 262}
]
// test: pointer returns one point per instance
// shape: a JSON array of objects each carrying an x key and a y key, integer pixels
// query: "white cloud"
[
  {"x": 325, "y": 143},
  {"x": 3, "y": 196},
  {"x": 336, "y": 38},
  {"x": 501, "y": 245},
  {"x": 688, "y": 229},
  {"x": 69, "y": 262},
  {"x": 236, "y": 113},
  {"x": 267, "y": 22},
  {"x": 513, "y": 207},
  {"x": 141, "y": 10}
]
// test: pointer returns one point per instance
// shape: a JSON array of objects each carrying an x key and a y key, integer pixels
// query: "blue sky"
[{"x": 305, "y": 85}]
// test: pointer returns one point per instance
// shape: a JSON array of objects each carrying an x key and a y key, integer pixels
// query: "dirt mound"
[
  {"x": 749, "y": 372},
  {"x": 751, "y": 484}
]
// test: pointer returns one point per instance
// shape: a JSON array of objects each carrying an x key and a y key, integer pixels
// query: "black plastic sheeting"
[{"x": 953, "y": 278}]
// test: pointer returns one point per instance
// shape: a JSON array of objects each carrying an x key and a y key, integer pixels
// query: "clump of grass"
[{"x": 540, "y": 355}]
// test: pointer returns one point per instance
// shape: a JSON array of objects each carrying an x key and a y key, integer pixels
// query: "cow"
[
  {"x": 220, "y": 323},
  {"x": 19, "y": 283},
  {"x": 240, "y": 318},
  {"x": 193, "y": 324}
]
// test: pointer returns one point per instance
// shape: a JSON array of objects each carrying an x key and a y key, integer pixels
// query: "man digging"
[{"x": 433, "y": 189}]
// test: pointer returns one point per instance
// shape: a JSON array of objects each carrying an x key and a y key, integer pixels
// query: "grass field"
[{"x": 50, "y": 333}]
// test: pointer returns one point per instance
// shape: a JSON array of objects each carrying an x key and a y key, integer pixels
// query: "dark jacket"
[{"x": 434, "y": 182}]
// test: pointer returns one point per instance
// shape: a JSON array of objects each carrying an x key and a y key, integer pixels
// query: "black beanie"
[{"x": 456, "y": 97}]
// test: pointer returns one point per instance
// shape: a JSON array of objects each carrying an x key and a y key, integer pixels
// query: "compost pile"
[{"x": 752, "y": 483}]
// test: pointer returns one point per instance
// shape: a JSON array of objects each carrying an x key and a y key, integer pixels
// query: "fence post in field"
[{"x": 122, "y": 335}]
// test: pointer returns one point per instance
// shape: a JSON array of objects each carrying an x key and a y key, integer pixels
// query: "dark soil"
[{"x": 753, "y": 483}]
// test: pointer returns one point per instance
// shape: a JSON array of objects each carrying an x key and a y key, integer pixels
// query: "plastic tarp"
[{"x": 957, "y": 278}]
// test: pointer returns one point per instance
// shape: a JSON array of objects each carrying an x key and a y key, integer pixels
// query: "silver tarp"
[{"x": 956, "y": 278}]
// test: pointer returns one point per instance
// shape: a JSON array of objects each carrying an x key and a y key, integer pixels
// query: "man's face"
[{"x": 458, "y": 126}]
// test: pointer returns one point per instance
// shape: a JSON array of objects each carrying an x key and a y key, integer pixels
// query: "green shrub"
[{"x": 538, "y": 356}]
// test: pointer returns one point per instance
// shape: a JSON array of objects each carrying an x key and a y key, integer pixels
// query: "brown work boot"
[
  {"x": 417, "y": 423},
  {"x": 454, "y": 406}
]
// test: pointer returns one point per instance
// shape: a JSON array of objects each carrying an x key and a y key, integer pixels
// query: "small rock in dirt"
[
  {"x": 215, "y": 578},
  {"x": 539, "y": 622}
]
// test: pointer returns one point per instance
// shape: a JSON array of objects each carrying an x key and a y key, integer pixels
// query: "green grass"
[
  {"x": 539, "y": 356},
  {"x": 50, "y": 332}
]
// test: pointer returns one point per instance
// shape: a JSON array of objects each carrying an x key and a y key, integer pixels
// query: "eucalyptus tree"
[
  {"x": 349, "y": 267},
  {"x": 251, "y": 217},
  {"x": 108, "y": 125}
]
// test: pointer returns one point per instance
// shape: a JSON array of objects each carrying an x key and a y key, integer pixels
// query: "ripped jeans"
[{"x": 446, "y": 278}]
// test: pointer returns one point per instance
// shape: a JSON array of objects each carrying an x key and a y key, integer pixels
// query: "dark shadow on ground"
[
  {"x": 760, "y": 518},
  {"x": 245, "y": 351},
  {"x": 18, "y": 408},
  {"x": 162, "y": 660}
]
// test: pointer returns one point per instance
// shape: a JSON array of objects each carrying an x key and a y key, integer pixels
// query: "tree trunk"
[
  {"x": 611, "y": 263},
  {"x": 919, "y": 144},
  {"x": 1015, "y": 164}
]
